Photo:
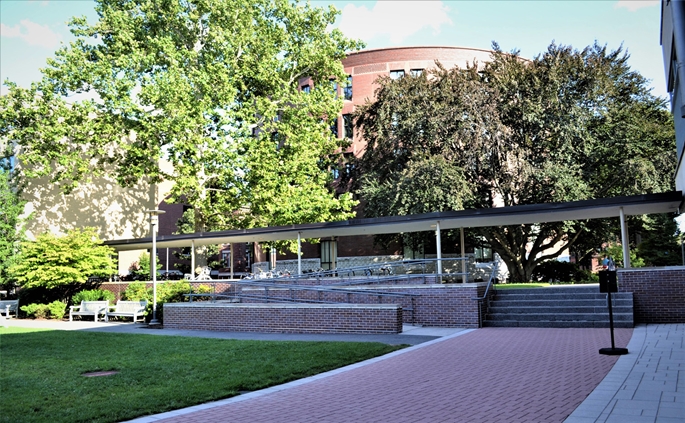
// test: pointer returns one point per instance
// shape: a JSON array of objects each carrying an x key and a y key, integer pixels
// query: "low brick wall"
[
  {"x": 284, "y": 318},
  {"x": 446, "y": 305},
  {"x": 658, "y": 293}
]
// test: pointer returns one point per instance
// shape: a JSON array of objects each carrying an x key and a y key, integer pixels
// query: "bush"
[
  {"x": 136, "y": 291},
  {"x": 93, "y": 295},
  {"x": 36, "y": 311},
  {"x": 557, "y": 271},
  {"x": 57, "y": 310},
  {"x": 54, "y": 310}
]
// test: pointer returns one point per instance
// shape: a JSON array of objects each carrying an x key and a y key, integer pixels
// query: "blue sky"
[{"x": 30, "y": 31}]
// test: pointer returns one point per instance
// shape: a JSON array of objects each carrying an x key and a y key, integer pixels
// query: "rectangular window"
[
  {"x": 347, "y": 90},
  {"x": 329, "y": 254},
  {"x": 348, "y": 128},
  {"x": 306, "y": 89},
  {"x": 416, "y": 72},
  {"x": 396, "y": 74}
]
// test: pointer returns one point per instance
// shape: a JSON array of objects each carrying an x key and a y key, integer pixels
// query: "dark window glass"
[
  {"x": 416, "y": 72},
  {"x": 396, "y": 74},
  {"x": 306, "y": 88},
  {"x": 347, "y": 90},
  {"x": 347, "y": 126}
]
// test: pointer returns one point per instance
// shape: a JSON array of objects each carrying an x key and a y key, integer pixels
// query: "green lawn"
[{"x": 40, "y": 371}]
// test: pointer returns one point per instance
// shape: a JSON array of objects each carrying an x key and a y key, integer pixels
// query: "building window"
[
  {"x": 306, "y": 89},
  {"x": 347, "y": 90},
  {"x": 396, "y": 74},
  {"x": 329, "y": 254},
  {"x": 348, "y": 128},
  {"x": 416, "y": 72}
]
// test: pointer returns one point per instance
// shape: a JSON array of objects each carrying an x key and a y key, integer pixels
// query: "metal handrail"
[{"x": 485, "y": 296}]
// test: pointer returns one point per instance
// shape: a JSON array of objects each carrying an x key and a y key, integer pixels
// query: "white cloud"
[
  {"x": 395, "y": 19},
  {"x": 634, "y": 5},
  {"x": 34, "y": 34}
]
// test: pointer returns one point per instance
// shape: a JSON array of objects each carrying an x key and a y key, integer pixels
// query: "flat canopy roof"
[{"x": 668, "y": 202}]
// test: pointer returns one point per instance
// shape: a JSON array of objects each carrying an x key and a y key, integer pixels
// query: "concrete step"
[
  {"x": 556, "y": 324},
  {"x": 574, "y": 306},
  {"x": 499, "y": 309},
  {"x": 621, "y": 302},
  {"x": 559, "y": 316}
]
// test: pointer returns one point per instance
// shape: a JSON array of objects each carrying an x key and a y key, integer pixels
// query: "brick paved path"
[{"x": 488, "y": 375}]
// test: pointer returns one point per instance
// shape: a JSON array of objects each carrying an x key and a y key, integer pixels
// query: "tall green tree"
[
  {"x": 567, "y": 125},
  {"x": 11, "y": 227},
  {"x": 209, "y": 86}
]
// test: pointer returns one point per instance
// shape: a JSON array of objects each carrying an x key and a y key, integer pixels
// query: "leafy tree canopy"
[
  {"x": 209, "y": 86},
  {"x": 11, "y": 231},
  {"x": 53, "y": 261},
  {"x": 567, "y": 125}
]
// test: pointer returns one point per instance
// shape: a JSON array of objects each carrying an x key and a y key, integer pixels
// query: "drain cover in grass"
[{"x": 94, "y": 374}]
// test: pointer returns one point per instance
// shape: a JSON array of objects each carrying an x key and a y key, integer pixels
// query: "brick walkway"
[{"x": 487, "y": 375}]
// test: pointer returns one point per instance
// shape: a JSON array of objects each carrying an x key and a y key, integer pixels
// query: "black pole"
[{"x": 609, "y": 281}]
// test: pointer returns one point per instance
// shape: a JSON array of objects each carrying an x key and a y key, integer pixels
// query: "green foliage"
[
  {"x": 136, "y": 291},
  {"x": 615, "y": 251},
  {"x": 560, "y": 271},
  {"x": 660, "y": 244},
  {"x": 209, "y": 86},
  {"x": 568, "y": 125},
  {"x": 53, "y": 310},
  {"x": 185, "y": 371},
  {"x": 62, "y": 261},
  {"x": 142, "y": 266},
  {"x": 93, "y": 295},
  {"x": 36, "y": 311},
  {"x": 57, "y": 309},
  {"x": 11, "y": 227}
]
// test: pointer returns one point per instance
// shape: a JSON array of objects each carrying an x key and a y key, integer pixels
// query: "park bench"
[
  {"x": 9, "y": 306},
  {"x": 89, "y": 308},
  {"x": 131, "y": 309}
]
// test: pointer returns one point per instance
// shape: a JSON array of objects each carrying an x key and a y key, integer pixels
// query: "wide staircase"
[{"x": 559, "y": 307}]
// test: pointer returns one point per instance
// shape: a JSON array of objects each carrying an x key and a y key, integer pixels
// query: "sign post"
[{"x": 608, "y": 284}]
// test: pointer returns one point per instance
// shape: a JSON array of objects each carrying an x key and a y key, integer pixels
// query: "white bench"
[
  {"x": 131, "y": 309},
  {"x": 9, "y": 306},
  {"x": 89, "y": 308}
]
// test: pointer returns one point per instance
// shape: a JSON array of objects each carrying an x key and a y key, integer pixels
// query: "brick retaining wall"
[
  {"x": 658, "y": 293},
  {"x": 447, "y": 305},
  {"x": 284, "y": 318}
]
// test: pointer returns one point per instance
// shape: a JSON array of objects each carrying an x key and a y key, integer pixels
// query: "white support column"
[
  {"x": 463, "y": 255},
  {"x": 624, "y": 240},
  {"x": 192, "y": 259},
  {"x": 167, "y": 261},
  {"x": 299, "y": 253},
  {"x": 438, "y": 247},
  {"x": 231, "y": 259}
]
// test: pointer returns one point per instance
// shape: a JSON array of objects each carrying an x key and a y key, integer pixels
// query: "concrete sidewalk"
[{"x": 647, "y": 385}]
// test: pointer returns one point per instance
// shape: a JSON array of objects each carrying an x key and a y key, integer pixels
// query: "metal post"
[
  {"x": 154, "y": 220},
  {"x": 624, "y": 239},
  {"x": 438, "y": 246},
  {"x": 192, "y": 260},
  {"x": 231, "y": 259},
  {"x": 463, "y": 254},
  {"x": 299, "y": 253}
]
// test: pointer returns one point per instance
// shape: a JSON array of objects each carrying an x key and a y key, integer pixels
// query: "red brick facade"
[
  {"x": 658, "y": 293},
  {"x": 284, "y": 318}
]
